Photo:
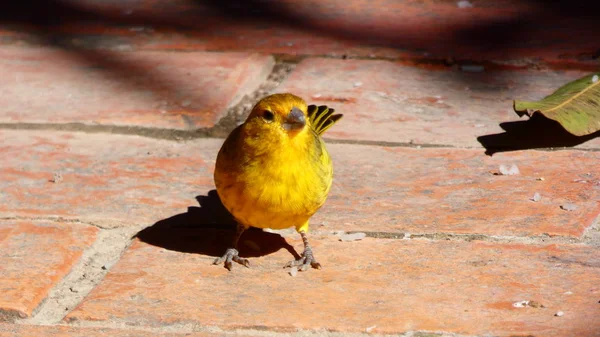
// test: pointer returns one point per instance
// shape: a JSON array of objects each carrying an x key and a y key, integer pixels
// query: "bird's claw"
[
  {"x": 230, "y": 256},
  {"x": 305, "y": 261}
]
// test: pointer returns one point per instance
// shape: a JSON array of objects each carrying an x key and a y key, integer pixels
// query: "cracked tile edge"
[{"x": 89, "y": 271}]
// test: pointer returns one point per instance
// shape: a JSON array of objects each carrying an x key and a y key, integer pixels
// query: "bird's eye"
[{"x": 268, "y": 116}]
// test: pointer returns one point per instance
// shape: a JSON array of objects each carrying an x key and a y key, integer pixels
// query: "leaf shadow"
[
  {"x": 535, "y": 133},
  {"x": 208, "y": 230},
  {"x": 92, "y": 31},
  {"x": 55, "y": 23}
]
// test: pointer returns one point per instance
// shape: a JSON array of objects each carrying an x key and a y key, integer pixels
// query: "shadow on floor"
[
  {"x": 208, "y": 230},
  {"x": 535, "y": 133}
]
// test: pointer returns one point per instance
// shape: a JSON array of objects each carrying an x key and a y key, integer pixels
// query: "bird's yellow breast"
[{"x": 276, "y": 186}]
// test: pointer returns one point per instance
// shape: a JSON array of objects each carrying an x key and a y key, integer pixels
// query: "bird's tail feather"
[{"x": 322, "y": 118}]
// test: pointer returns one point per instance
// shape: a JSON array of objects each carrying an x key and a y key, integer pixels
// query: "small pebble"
[
  {"x": 294, "y": 271},
  {"x": 535, "y": 304},
  {"x": 559, "y": 314},
  {"x": 594, "y": 78},
  {"x": 357, "y": 84},
  {"x": 464, "y": 4},
  {"x": 56, "y": 178},
  {"x": 513, "y": 170},
  {"x": 520, "y": 304},
  {"x": 569, "y": 207},
  {"x": 540, "y": 178},
  {"x": 370, "y": 329},
  {"x": 568, "y": 293},
  {"x": 352, "y": 237},
  {"x": 532, "y": 304},
  {"x": 536, "y": 197}
]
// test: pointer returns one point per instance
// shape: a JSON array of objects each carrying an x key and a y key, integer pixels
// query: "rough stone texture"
[
  {"x": 13, "y": 330},
  {"x": 34, "y": 256},
  {"x": 394, "y": 285},
  {"x": 460, "y": 191},
  {"x": 385, "y": 189},
  {"x": 386, "y": 101},
  {"x": 102, "y": 181},
  {"x": 479, "y": 257},
  {"x": 157, "y": 89},
  {"x": 488, "y": 30}
]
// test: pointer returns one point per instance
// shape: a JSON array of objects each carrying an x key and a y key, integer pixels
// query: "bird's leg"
[
  {"x": 307, "y": 259},
  {"x": 232, "y": 254}
]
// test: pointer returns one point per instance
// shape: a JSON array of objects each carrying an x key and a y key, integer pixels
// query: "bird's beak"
[{"x": 295, "y": 120}]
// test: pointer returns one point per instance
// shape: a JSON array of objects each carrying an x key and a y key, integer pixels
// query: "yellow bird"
[{"x": 274, "y": 171}]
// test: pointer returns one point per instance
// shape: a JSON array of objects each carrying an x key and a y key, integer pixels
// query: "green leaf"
[{"x": 576, "y": 106}]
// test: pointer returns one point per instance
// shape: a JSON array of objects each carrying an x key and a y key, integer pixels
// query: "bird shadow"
[
  {"x": 208, "y": 230},
  {"x": 535, "y": 133}
]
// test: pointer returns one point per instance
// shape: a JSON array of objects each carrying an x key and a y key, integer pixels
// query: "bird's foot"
[
  {"x": 305, "y": 261},
  {"x": 230, "y": 256}
]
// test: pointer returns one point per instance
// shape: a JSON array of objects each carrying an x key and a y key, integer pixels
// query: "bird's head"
[{"x": 279, "y": 115}]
